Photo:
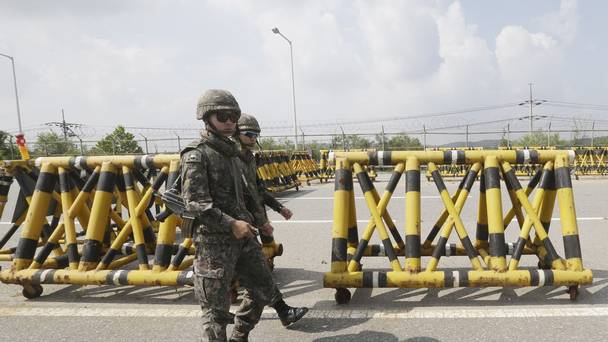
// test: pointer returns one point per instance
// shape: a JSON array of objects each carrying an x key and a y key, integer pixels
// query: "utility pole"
[
  {"x": 592, "y": 133},
  {"x": 549, "y": 136},
  {"x": 66, "y": 128},
  {"x": 467, "y": 134},
  {"x": 383, "y": 141},
  {"x": 303, "y": 141},
  {"x": 509, "y": 135},
  {"x": 424, "y": 136},
  {"x": 343, "y": 139},
  {"x": 532, "y": 102}
]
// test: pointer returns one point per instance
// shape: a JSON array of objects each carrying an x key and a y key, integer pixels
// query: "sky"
[{"x": 362, "y": 65}]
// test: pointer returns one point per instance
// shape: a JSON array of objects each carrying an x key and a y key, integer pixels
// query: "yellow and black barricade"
[{"x": 493, "y": 261}]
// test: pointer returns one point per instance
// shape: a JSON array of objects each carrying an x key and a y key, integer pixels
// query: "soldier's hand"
[
  {"x": 242, "y": 230},
  {"x": 267, "y": 229},
  {"x": 286, "y": 213}
]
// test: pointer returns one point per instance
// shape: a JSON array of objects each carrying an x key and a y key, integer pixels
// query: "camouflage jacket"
[{"x": 212, "y": 187}]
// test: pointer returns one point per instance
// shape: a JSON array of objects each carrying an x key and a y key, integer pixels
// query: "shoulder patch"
[{"x": 193, "y": 157}]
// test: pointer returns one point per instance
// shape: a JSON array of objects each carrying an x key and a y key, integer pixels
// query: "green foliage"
[
  {"x": 349, "y": 141},
  {"x": 5, "y": 147},
  {"x": 400, "y": 141},
  {"x": 118, "y": 142},
  {"x": 53, "y": 144},
  {"x": 272, "y": 144},
  {"x": 540, "y": 138}
]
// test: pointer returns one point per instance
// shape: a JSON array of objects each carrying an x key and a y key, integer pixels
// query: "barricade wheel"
[
  {"x": 279, "y": 250},
  {"x": 342, "y": 296},
  {"x": 573, "y": 292},
  {"x": 32, "y": 291}
]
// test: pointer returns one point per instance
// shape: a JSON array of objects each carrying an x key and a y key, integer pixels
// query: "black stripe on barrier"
[
  {"x": 62, "y": 261},
  {"x": 534, "y": 278},
  {"x": 142, "y": 255},
  {"x": 460, "y": 157},
  {"x": 511, "y": 180},
  {"x": 353, "y": 235},
  {"x": 106, "y": 181},
  {"x": 91, "y": 251},
  {"x": 149, "y": 236},
  {"x": 547, "y": 180},
  {"x": 518, "y": 248},
  {"x": 562, "y": 178},
  {"x": 72, "y": 252},
  {"x": 382, "y": 279},
  {"x": 372, "y": 157},
  {"x": 46, "y": 182},
  {"x": 162, "y": 256},
  {"x": 90, "y": 183},
  {"x": 388, "y": 248},
  {"x": 45, "y": 252},
  {"x": 438, "y": 180},
  {"x": 546, "y": 225},
  {"x": 121, "y": 279},
  {"x": 463, "y": 278},
  {"x": 392, "y": 183},
  {"x": 338, "y": 249},
  {"x": 160, "y": 179},
  {"x": 412, "y": 246},
  {"x": 65, "y": 184},
  {"x": 482, "y": 183},
  {"x": 141, "y": 178},
  {"x": 128, "y": 178},
  {"x": 447, "y": 157},
  {"x": 26, "y": 248},
  {"x": 497, "y": 244},
  {"x": 412, "y": 180},
  {"x": 535, "y": 179},
  {"x": 433, "y": 233},
  {"x": 439, "y": 248},
  {"x": 549, "y": 277},
  {"x": 534, "y": 157},
  {"x": 44, "y": 276},
  {"x": 448, "y": 279},
  {"x": 109, "y": 257},
  {"x": 386, "y": 158},
  {"x": 492, "y": 179},
  {"x": 185, "y": 278},
  {"x": 469, "y": 180},
  {"x": 572, "y": 246},
  {"x": 344, "y": 180},
  {"x": 364, "y": 181},
  {"x": 179, "y": 256},
  {"x": 368, "y": 279},
  {"x": 468, "y": 246},
  {"x": 361, "y": 249},
  {"x": 551, "y": 252}
]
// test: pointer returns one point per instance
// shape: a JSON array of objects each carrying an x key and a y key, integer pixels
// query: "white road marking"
[
  {"x": 331, "y": 198},
  {"x": 365, "y": 221},
  {"x": 415, "y": 313}
]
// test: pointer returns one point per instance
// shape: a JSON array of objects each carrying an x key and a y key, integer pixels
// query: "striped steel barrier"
[
  {"x": 275, "y": 170},
  {"x": 305, "y": 167},
  {"x": 105, "y": 215},
  {"x": 487, "y": 254}
]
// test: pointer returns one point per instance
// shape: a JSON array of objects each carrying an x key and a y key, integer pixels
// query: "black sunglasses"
[
  {"x": 224, "y": 116},
  {"x": 250, "y": 134}
]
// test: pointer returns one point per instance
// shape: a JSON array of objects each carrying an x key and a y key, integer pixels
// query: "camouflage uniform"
[{"x": 213, "y": 191}]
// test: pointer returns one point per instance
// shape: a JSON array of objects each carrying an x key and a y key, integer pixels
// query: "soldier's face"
[
  {"x": 225, "y": 128},
  {"x": 248, "y": 139}
]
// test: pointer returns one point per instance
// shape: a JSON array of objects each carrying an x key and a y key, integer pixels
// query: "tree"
[
  {"x": 350, "y": 141},
  {"x": 272, "y": 144},
  {"x": 52, "y": 144},
  {"x": 5, "y": 147},
  {"x": 400, "y": 141},
  {"x": 540, "y": 138},
  {"x": 118, "y": 142}
]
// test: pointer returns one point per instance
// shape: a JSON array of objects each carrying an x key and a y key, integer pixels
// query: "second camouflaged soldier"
[
  {"x": 225, "y": 239},
  {"x": 248, "y": 130}
]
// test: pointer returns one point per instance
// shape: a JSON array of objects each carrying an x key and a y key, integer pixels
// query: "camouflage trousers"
[{"x": 218, "y": 260}]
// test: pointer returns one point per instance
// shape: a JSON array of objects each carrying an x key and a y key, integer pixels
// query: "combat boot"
[
  {"x": 239, "y": 336},
  {"x": 287, "y": 314}
]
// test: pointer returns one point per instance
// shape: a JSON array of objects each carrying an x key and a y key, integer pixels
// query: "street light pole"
[
  {"x": 293, "y": 86},
  {"x": 20, "y": 137},
  {"x": 16, "y": 91}
]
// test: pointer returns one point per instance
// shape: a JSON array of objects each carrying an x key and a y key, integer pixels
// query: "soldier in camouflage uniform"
[
  {"x": 213, "y": 191},
  {"x": 248, "y": 130}
]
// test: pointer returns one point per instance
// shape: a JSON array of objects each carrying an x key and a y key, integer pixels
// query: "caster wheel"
[
  {"x": 31, "y": 291},
  {"x": 342, "y": 296},
  {"x": 573, "y": 292}
]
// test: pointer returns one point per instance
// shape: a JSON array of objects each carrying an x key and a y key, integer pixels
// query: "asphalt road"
[{"x": 104, "y": 313}]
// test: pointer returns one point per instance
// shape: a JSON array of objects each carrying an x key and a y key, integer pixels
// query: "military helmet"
[
  {"x": 248, "y": 123},
  {"x": 214, "y": 100}
]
